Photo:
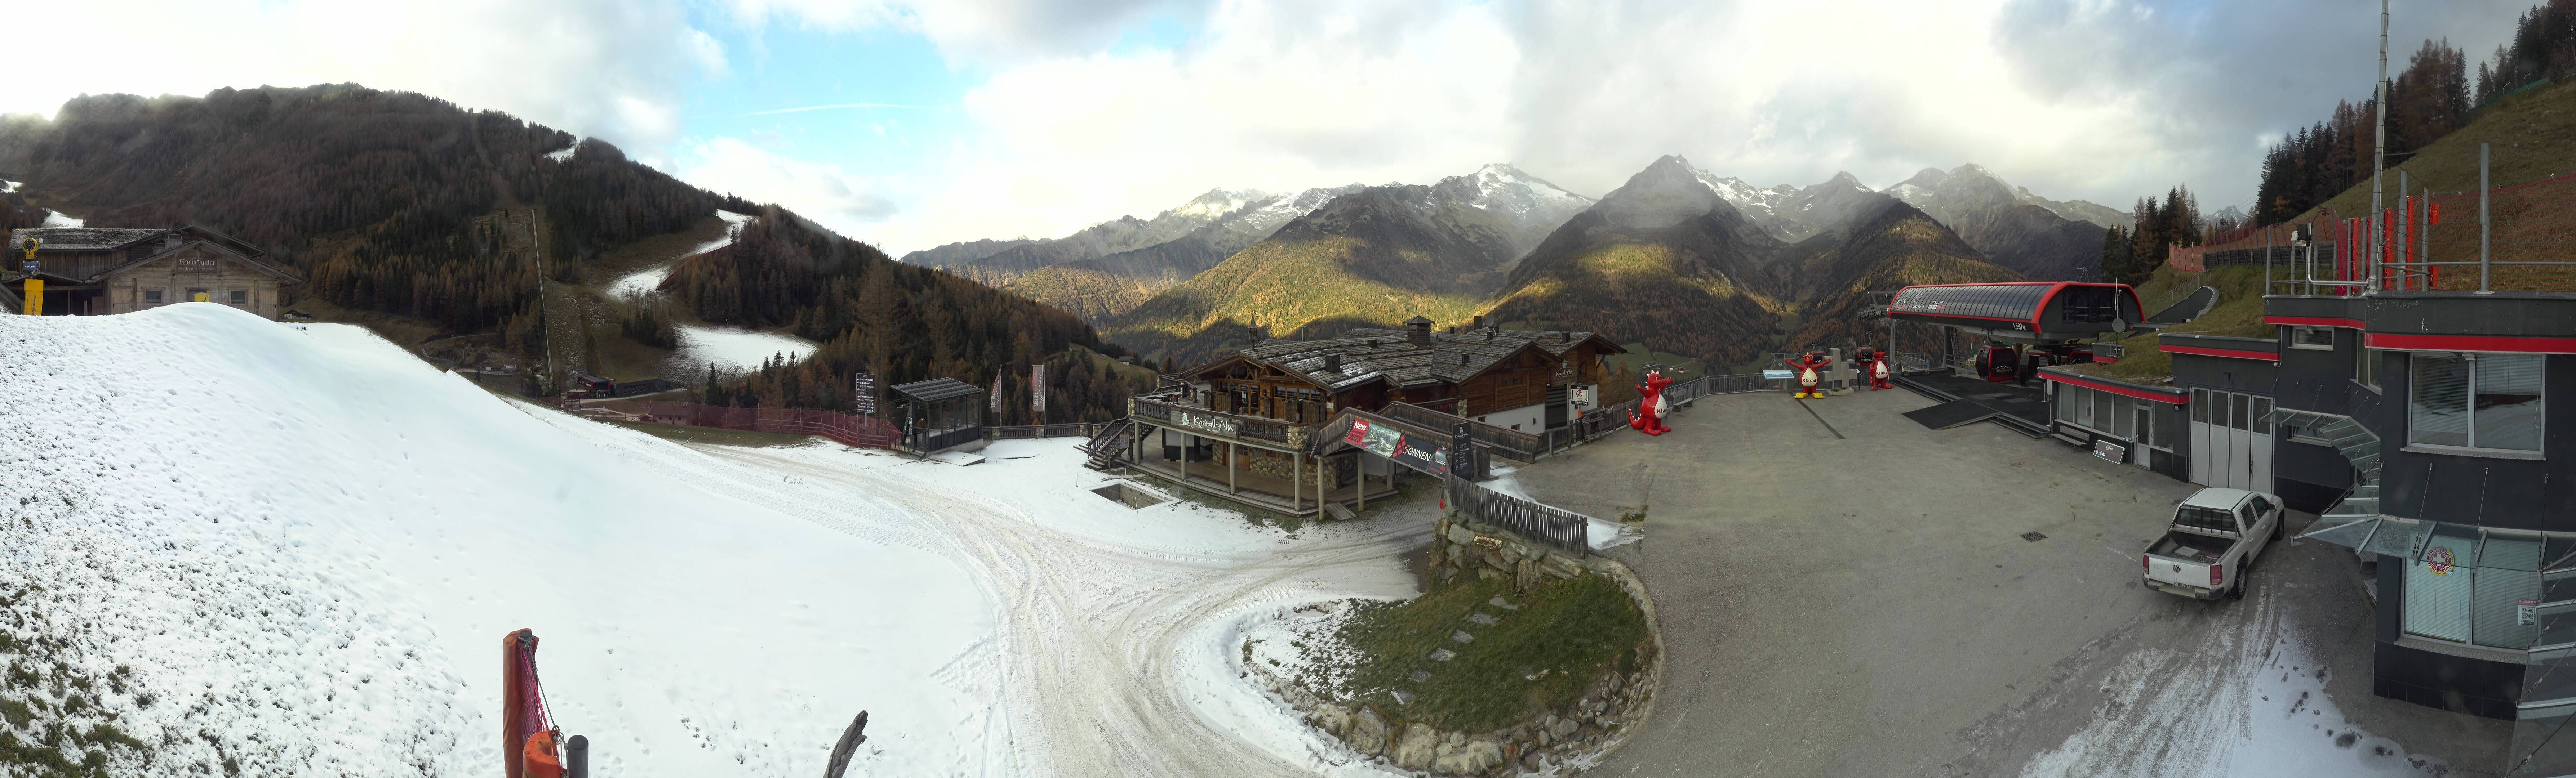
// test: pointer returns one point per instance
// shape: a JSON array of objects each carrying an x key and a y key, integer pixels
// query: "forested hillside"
[{"x": 389, "y": 202}]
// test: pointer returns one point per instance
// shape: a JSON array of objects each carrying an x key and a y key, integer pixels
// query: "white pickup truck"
[{"x": 2215, "y": 535}]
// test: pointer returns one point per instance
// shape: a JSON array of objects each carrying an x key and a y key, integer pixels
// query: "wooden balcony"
[{"x": 1255, "y": 431}]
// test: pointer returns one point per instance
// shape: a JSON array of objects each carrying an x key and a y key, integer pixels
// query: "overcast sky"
[{"x": 911, "y": 123}]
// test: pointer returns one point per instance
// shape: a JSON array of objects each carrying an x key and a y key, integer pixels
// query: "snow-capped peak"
[
  {"x": 1219, "y": 202},
  {"x": 1505, "y": 189}
]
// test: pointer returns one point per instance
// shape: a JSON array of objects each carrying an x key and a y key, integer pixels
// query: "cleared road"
[{"x": 1868, "y": 606}]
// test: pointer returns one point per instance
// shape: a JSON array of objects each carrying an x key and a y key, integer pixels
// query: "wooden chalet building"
[
  {"x": 108, "y": 271},
  {"x": 1245, "y": 426}
]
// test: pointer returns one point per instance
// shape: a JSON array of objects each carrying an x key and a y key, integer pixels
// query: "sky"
[{"x": 913, "y": 123}]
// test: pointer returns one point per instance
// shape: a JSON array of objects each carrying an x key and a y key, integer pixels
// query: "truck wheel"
[
  {"x": 2278, "y": 525},
  {"x": 2237, "y": 592}
]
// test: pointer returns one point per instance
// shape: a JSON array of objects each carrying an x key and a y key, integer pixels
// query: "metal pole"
[
  {"x": 2424, "y": 240},
  {"x": 2404, "y": 223},
  {"x": 545, "y": 325},
  {"x": 2378, "y": 150},
  {"x": 2482, "y": 219}
]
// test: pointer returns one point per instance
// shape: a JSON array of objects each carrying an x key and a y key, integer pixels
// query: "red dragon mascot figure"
[
  {"x": 1651, "y": 406},
  {"x": 1874, "y": 363},
  {"x": 1806, "y": 366}
]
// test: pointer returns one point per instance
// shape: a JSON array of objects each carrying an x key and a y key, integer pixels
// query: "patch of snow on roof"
[{"x": 60, "y": 220}]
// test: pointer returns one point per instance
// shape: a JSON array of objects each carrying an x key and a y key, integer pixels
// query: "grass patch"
[
  {"x": 2238, "y": 314},
  {"x": 716, "y": 437},
  {"x": 53, "y": 720},
  {"x": 1565, "y": 635}
]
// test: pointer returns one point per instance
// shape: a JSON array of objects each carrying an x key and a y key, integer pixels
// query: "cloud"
[
  {"x": 824, "y": 193},
  {"x": 597, "y": 67},
  {"x": 832, "y": 107},
  {"x": 2096, "y": 99},
  {"x": 973, "y": 31}
]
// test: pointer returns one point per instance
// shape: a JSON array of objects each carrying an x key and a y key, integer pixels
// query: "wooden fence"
[
  {"x": 1553, "y": 526},
  {"x": 840, "y": 427},
  {"x": 1073, "y": 430}
]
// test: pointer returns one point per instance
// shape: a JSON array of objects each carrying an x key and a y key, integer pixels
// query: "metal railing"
[{"x": 1546, "y": 524}]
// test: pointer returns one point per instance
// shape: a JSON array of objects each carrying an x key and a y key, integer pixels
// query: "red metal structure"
[{"x": 523, "y": 700}]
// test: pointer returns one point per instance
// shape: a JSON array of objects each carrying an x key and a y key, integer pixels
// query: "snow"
[
  {"x": 58, "y": 219},
  {"x": 1600, "y": 534},
  {"x": 734, "y": 350},
  {"x": 2251, "y": 703},
  {"x": 564, "y": 154},
  {"x": 1219, "y": 202},
  {"x": 649, "y": 280},
  {"x": 9, "y": 186},
  {"x": 317, "y": 577}
]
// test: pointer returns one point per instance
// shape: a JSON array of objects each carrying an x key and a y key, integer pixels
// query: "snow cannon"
[{"x": 531, "y": 745}]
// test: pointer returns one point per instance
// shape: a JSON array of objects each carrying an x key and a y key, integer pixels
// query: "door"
[
  {"x": 2240, "y": 441},
  {"x": 2143, "y": 419},
  {"x": 2201, "y": 455},
  {"x": 2259, "y": 466}
]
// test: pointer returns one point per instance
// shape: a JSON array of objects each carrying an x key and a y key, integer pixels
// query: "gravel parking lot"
[{"x": 1868, "y": 605}]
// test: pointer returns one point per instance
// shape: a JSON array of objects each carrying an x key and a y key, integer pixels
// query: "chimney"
[
  {"x": 1489, "y": 334},
  {"x": 1421, "y": 331},
  {"x": 1333, "y": 362},
  {"x": 1565, "y": 336}
]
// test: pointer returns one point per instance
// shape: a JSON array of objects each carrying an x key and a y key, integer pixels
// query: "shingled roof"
[
  {"x": 79, "y": 239},
  {"x": 1555, "y": 342}
]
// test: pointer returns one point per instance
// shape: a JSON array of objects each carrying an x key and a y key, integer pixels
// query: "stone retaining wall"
[{"x": 1612, "y": 710}]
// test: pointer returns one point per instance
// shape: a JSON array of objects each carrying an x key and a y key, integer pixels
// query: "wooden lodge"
[
  {"x": 108, "y": 271},
  {"x": 1246, "y": 426}
]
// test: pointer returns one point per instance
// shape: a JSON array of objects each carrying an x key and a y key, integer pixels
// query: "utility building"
[{"x": 108, "y": 271}]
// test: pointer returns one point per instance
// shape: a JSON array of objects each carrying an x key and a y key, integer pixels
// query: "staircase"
[
  {"x": 1108, "y": 448},
  {"x": 2350, "y": 521}
]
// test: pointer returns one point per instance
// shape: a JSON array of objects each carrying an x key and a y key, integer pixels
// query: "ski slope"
[{"x": 307, "y": 545}]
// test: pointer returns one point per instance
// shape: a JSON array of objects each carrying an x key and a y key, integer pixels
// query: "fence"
[
  {"x": 840, "y": 427},
  {"x": 1074, "y": 430},
  {"x": 1510, "y": 443},
  {"x": 1553, "y": 526}
]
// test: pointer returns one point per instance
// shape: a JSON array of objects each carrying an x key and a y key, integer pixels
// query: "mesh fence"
[{"x": 840, "y": 427}]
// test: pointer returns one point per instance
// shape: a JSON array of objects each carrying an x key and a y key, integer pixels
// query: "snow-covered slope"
[
  {"x": 317, "y": 578},
  {"x": 649, "y": 280}
]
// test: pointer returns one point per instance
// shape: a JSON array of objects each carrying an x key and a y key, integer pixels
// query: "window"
[
  {"x": 2262, "y": 416},
  {"x": 241, "y": 297},
  {"x": 151, "y": 297},
  {"x": 2487, "y": 401},
  {"x": 2123, "y": 420},
  {"x": 2239, "y": 404},
  {"x": 2261, "y": 506},
  {"x": 2507, "y": 574},
  {"x": 2200, "y": 406},
  {"x": 2319, "y": 338},
  {"x": 2365, "y": 368},
  {"x": 2211, "y": 519}
]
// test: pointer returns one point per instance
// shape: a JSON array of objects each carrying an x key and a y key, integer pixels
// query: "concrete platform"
[{"x": 1866, "y": 605}]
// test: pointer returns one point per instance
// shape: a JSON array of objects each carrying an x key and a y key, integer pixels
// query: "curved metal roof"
[{"x": 2007, "y": 302}]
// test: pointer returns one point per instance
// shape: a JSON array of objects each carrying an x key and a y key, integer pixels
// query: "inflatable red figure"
[
  {"x": 1874, "y": 362},
  {"x": 1806, "y": 367},
  {"x": 1650, "y": 400}
]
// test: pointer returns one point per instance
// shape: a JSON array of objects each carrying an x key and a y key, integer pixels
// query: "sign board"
[
  {"x": 1212, "y": 423},
  {"x": 1462, "y": 451},
  {"x": 1389, "y": 443},
  {"x": 2110, "y": 451},
  {"x": 1578, "y": 394},
  {"x": 864, "y": 388},
  {"x": 1037, "y": 391},
  {"x": 1769, "y": 375},
  {"x": 2526, "y": 612}
]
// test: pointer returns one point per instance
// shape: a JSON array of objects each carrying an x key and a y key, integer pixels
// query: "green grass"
[
  {"x": 2239, "y": 314},
  {"x": 1565, "y": 636},
  {"x": 1676, "y": 366},
  {"x": 52, "y": 722}
]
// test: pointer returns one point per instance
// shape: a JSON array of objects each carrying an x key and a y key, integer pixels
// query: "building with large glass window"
[{"x": 2417, "y": 425}]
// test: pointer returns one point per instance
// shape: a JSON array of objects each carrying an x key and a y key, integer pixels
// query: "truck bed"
[{"x": 2190, "y": 547}]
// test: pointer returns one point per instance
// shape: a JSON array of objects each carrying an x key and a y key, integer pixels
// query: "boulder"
[
  {"x": 1461, "y": 535},
  {"x": 1333, "y": 718},
  {"x": 1368, "y": 733},
  {"x": 1565, "y": 727},
  {"x": 1561, "y": 567},
  {"x": 1415, "y": 750}
]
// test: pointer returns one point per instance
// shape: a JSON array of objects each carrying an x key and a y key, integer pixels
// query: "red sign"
[
  {"x": 2438, "y": 560},
  {"x": 1359, "y": 433}
]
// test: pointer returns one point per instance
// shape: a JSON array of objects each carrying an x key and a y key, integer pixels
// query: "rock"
[
  {"x": 1545, "y": 737},
  {"x": 1564, "y": 728},
  {"x": 1483, "y": 619},
  {"x": 1561, "y": 567},
  {"x": 1524, "y": 575},
  {"x": 1501, "y": 603},
  {"x": 1415, "y": 750},
  {"x": 1333, "y": 719},
  {"x": 1462, "y": 637},
  {"x": 1529, "y": 762},
  {"x": 1457, "y": 739},
  {"x": 1402, "y": 697},
  {"x": 1482, "y": 755},
  {"x": 1460, "y": 535},
  {"x": 1419, "y": 676},
  {"x": 1489, "y": 574},
  {"x": 1443, "y": 655},
  {"x": 1368, "y": 733},
  {"x": 1615, "y": 681}
]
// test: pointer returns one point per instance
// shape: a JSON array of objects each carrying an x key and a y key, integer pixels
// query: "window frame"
[
  {"x": 2366, "y": 363},
  {"x": 239, "y": 296},
  {"x": 2297, "y": 329},
  {"x": 2469, "y": 416},
  {"x": 155, "y": 297}
]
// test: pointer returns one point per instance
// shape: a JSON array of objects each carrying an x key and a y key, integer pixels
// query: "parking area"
[{"x": 1845, "y": 592}]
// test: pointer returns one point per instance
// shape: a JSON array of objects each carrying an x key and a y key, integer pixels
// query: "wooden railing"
[
  {"x": 1547, "y": 524},
  {"x": 1508, "y": 443},
  {"x": 1221, "y": 425}
]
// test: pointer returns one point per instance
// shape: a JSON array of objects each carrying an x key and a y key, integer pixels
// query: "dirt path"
[{"x": 1097, "y": 638}]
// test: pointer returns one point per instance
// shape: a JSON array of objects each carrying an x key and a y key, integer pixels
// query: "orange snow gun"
[{"x": 35, "y": 286}]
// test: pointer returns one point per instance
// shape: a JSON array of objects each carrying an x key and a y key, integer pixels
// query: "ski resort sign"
[
  {"x": 1204, "y": 422},
  {"x": 1387, "y": 442}
]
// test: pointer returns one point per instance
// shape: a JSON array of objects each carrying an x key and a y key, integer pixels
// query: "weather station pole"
[
  {"x": 2378, "y": 154},
  {"x": 2482, "y": 221}
]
